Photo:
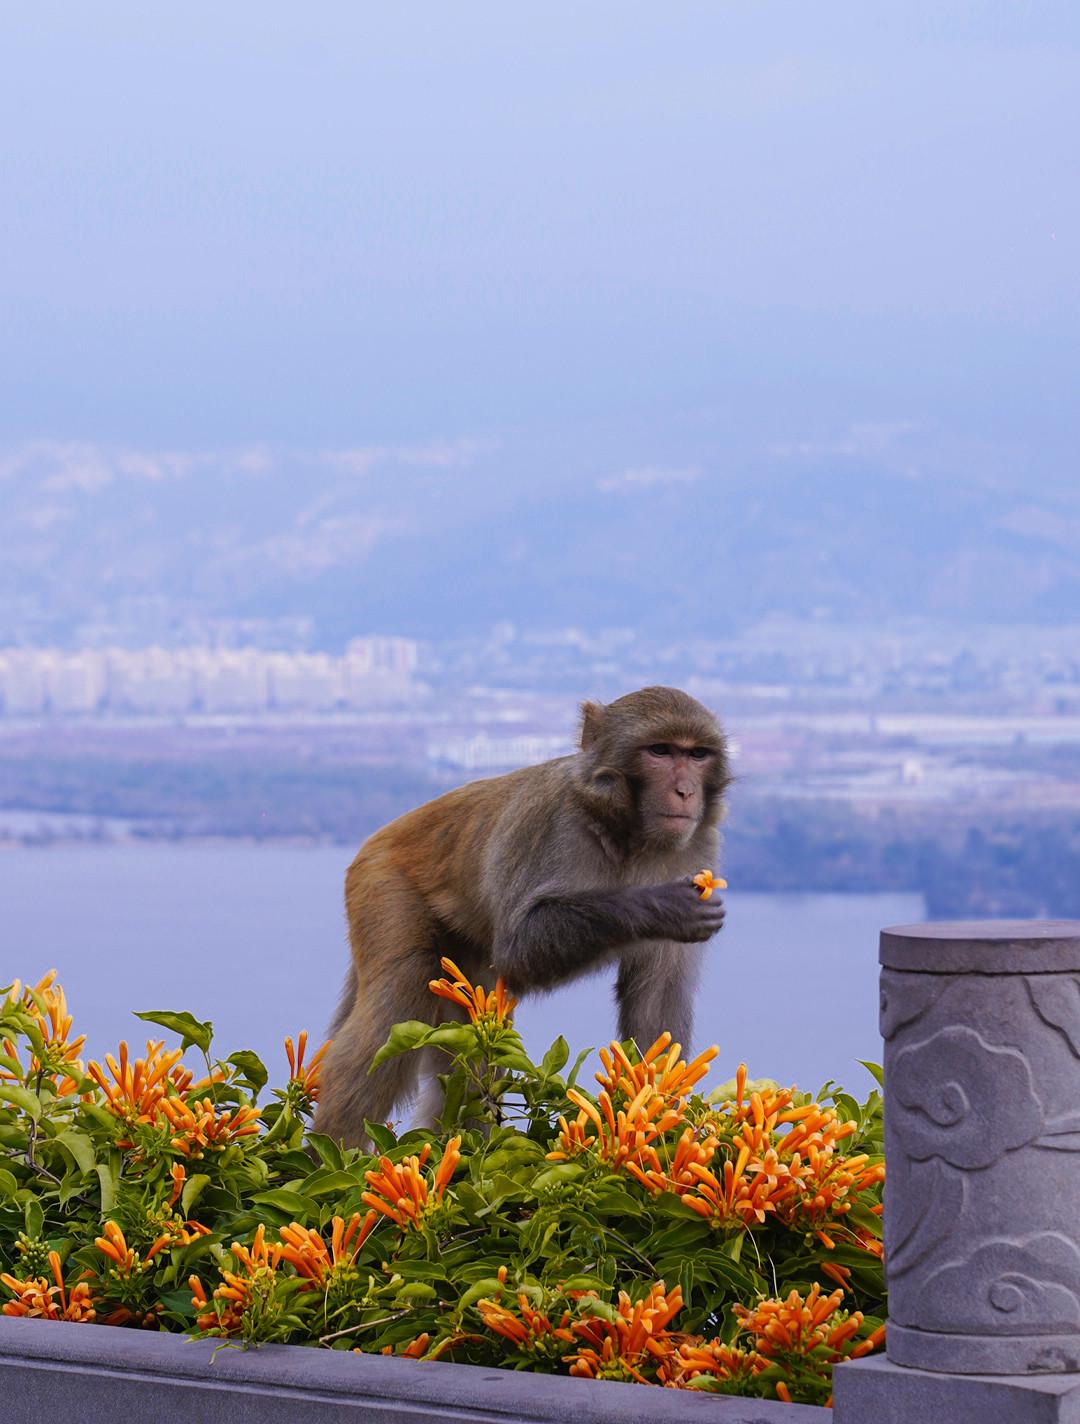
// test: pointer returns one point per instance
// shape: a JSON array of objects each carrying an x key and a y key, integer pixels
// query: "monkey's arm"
[{"x": 558, "y": 935}]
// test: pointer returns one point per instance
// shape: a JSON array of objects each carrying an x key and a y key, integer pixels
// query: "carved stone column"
[
  {"x": 982, "y": 1196},
  {"x": 981, "y": 1023}
]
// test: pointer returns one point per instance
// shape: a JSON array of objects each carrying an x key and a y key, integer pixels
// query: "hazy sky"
[{"x": 685, "y": 223}]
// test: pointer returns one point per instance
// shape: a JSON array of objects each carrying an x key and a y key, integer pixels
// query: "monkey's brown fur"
[{"x": 539, "y": 876}]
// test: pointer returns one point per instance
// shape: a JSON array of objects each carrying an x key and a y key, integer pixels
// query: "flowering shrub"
[{"x": 642, "y": 1232}]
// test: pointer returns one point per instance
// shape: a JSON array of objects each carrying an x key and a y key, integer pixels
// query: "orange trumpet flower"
[
  {"x": 136, "y": 1089},
  {"x": 707, "y": 882},
  {"x": 638, "y": 1336},
  {"x": 198, "y": 1127},
  {"x": 307, "y": 1076},
  {"x": 401, "y": 1191},
  {"x": 35, "y": 1297},
  {"x": 660, "y": 1068},
  {"x": 495, "y": 1004},
  {"x": 307, "y": 1251}
]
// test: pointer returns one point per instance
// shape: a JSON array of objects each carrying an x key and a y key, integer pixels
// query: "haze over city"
[{"x": 379, "y": 386}]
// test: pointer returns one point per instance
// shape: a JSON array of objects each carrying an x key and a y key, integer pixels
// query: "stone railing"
[{"x": 982, "y": 1231}]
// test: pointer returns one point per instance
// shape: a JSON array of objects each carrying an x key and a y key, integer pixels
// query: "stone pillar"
[{"x": 981, "y": 1023}]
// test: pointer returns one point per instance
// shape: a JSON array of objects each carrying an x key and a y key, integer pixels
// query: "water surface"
[{"x": 253, "y": 937}]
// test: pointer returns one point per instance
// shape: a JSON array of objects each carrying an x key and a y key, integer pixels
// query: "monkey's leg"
[
  {"x": 393, "y": 960},
  {"x": 655, "y": 992}
]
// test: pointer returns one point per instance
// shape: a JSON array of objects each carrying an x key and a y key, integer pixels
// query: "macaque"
[{"x": 539, "y": 876}]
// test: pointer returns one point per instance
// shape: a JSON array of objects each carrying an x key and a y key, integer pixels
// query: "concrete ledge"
[
  {"x": 98, "y": 1374},
  {"x": 877, "y": 1390}
]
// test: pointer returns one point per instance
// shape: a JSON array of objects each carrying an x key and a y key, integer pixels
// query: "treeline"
[{"x": 965, "y": 863}]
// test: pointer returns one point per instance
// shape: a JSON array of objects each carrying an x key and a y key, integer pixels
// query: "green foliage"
[{"x": 642, "y": 1233}]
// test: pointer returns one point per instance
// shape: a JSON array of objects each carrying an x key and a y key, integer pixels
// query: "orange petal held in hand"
[{"x": 707, "y": 882}]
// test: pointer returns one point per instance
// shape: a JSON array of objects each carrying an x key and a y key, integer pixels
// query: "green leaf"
[
  {"x": 381, "y": 1136},
  {"x": 578, "y": 1061},
  {"x": 21, "y": 1098},
  {"x": 614, "y": 1199},
  {"x": 190, "y": 1029},
  {"x": 192, "y": 1190},
  {"x": 489, "y": 1286},
  {"x": 329, "y": 1151},
  {"x": 454, "y": 1086},
  {"x": 403, "y": 1038},
  {"x": 8, "y": 1184},
  {"x": 328, "y": 1182},
  {"x": 252, "y": 1069},
  {"x": 291, "y": 1204},
  {"x": 98, "y": 1116},
  {"x": 178, "y": 1301},
  {"x": 686, "y": 1279},
  {"x": 293, "y": 1163},
  {"x": 452, "y": 1038},
  {"x": 555, "y": 1176},
  {"x": 108, "y": 1176},
  {"x": 875, "y": 1070},
  {"x": 34, "y": 1218},
  {"x": 420, "y": 1271},
  {"x": 555, "y": 1057},
  {"x": 510, "y": 1055},
  {"x": 79, "y": 1147}
]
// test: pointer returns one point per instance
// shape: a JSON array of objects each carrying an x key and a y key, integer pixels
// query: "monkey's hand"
[{"x": 679, "y": 912}]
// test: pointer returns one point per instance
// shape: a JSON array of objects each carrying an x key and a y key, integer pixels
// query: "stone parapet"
[{"x": 51, "y": 1370}]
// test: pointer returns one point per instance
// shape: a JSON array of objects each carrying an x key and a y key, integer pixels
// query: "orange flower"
[
  {"x": 690, "y": 1151},
  {"x": 137, "y": 1088},
  {"x": 660, "y": 1068},
  {"x": 307, "y": 1251},
  {"x": 127, "y": 1262},
  {"x": 198, "y": 1127},
  {"x": 707, "y": 882},
  {"x": 402, "y": 1193},
  {"x": 113, "y": 1245},
  {"x": 637, "y": 1337},
  {"x": 414, "y": 1350},
  {"x": 19, "y": 996},
  {"x": 531, "y": 1330},
  {"x": 799, "y": 1145},
  {"x": 178, "y": 1175},
  {"x": 810, "y": 1326},
  {"x": 699, "y": 1359},
  {"x": 744, "y": 1191},
  {"x": 47, "y": 1006},
  {"x": 225, "y": 1314},
  {"x": 307, "y": 1077},
  {"x": 620, "y": 1137},
  {"x": 37, "y": 1298},
  {"x": 495, "y": 1005}
]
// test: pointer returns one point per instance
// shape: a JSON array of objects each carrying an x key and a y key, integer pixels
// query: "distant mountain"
[{"x": 447, "y": 539}]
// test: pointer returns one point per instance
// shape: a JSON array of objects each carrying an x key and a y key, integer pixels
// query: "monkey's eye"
[
  {"x": 659, "y": 749},
  {"x": 699, "y": 753}
]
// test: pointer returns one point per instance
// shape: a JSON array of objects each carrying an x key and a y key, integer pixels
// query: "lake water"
[{"x": 253, "y": 937}]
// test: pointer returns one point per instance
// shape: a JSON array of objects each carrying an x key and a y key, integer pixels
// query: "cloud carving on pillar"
[
  {"x": 1056, "y": 999},
  {"x": 966, "y": 1101},
  {"x": 904, "y": 998},
  {"x": 1024, "y": 1287}
]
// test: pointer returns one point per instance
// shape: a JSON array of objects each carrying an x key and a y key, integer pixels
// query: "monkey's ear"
[{"x": 592, "y": 716}]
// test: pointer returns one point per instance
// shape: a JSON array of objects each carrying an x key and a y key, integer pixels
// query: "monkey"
[{"x": 537, "y": 876}]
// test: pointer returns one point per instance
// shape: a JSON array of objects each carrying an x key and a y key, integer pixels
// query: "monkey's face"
[{"x": 675, "y": 780}]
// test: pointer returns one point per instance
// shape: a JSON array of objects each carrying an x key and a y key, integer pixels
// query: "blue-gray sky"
[{"x": 691, "y": 224}]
